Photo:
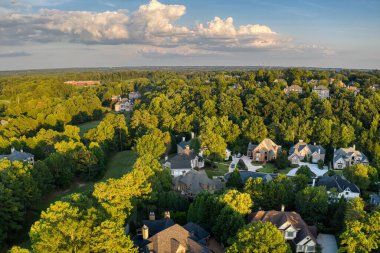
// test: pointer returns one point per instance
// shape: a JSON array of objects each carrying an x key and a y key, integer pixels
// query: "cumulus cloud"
[{"x": 152, "y": 24}]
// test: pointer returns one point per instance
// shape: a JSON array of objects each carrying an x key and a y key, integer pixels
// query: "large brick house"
[{"x": 266, "y": 151}]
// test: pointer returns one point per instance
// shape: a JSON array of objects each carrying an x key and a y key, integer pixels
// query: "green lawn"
[
  {"x": 270, "y": 168},
  {"x": 219, "y": 171},
  {"x": 85, "y": 127}
]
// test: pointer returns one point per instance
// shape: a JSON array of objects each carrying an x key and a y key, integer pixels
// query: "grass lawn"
[
  {"x": 87, "y": 126},
  {"x": 270, "y": 168},
  {"x": 222, "y": 168}
]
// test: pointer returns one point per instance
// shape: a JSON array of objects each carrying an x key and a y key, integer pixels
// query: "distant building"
[
  {"x": 292, "y": 227},
  {"x": 134, "y": 95},
  {"x": 312, "y": 82},
  {"x": 345, "y": 157},
  {"x": 374, "y": 199},
  {"x": 299, "y": 151},
  {"x": 343, "y": 187},
  {"x": 194, "y": 182},
  {"x": 3, "y": 122},
  {"x": 166, "y": 236},
  {"x": 83, "y": 83},
  {"x": 266, "y": 151},
  {"x": 353, "y": 89},
  {"x": 20, "y": 156},
  {"x": 124, "y": 105},
  {"x": 375, "y": 86},
  {"x": 293, "y": 88},
  {"x": 322, "y": 91}
]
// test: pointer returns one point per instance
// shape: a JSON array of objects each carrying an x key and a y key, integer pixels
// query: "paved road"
[
  {"x": 328, "y": 243},
  {"x": 313, "y": 167},
  {"x": 247, "y": 161}
]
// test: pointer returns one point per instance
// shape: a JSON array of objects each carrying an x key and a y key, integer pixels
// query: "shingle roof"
[
  {"x": 156, "y": 226},
  {"x": 168, "y": 241},
  {"x": 183, "y": 144},
  {"x": 197, "y": 231},
  {"x": 17, "y": 156},
  {"x": 245, "y": 175},
  {"x": 347, "y": 152},
  {"x": 320, "y": 87},
  {"x": 196, "y": 181},
  {"x": 182, "y": 161},
  {"x": 278, "y": 219},
  {"x": 338, "y": 182}
]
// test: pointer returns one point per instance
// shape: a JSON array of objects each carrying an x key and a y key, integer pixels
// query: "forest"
[{"x": 43, "y": 116}]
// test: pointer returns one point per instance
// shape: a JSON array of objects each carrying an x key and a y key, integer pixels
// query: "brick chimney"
[
  {"x": 152, "y": 216},
  {"x": 145, "y": 232},
  {"x": 167, "y": 215}
]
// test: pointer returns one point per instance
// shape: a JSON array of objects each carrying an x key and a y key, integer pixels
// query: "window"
[
  {"x": 289, "y": 234},
  {"x": 310, "y": 249},
  {"x": 299, "y": 248}
]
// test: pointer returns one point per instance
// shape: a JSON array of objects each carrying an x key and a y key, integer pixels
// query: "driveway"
[
  {"x": 247, "y": 162},
  {"x": 313, "y": 167},
  {"x": 328, "y": 243}
]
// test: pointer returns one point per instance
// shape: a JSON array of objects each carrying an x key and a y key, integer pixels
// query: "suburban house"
[
  {"x": 83, "y": 83},
  {"x": 266, "y": 151},
  {"x": 20, "y": 156},
  {"x": 134, "y": 95},
  {"x": 338, "y": 83},
  {"x": 375, "y": 86},
  {"x": 374, "y": 199},
  {"x": 345, "y": 157},
  {"x": 293, "y": 88},
  {"x": 245, "y": 175},
  {"x": 193, "y": 182},
  {"x": 293, "y": 228},
  {"x": 123, "y": 105},
  {"x": 299, "y": 151},
  {"x": 313, "y": 82},
  {"x": 322, "y": 91},
  {"x": 185, "y": 160},
  {"x": 353, "y": 89},
  {"x": 343, "y": 187},
  {"x": 166, "y": 236}
]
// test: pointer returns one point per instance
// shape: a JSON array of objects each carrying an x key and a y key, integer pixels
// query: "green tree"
[
  {"x": 230, "y": 219},
  {"x": 361, "y": 175},
  {"x": 234, "y": 180},
  {"x": 237, "y": 201},
  {"x": 258, "y": 237},
  {"x": 312, "y": 204},
  {"x": 153, "y": 143},
  {"x": 305, "y": 170}
]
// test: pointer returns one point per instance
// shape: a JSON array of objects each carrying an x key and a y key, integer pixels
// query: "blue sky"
[{"x": 108, "y": 33}]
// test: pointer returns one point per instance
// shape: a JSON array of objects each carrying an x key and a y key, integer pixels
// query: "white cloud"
[{"x": 152, "y": 24}]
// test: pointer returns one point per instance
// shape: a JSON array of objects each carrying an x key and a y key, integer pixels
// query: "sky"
[{"x": 44, "y": 34}]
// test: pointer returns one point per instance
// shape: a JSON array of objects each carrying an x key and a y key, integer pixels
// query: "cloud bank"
[{"x": 153, "y": 26}]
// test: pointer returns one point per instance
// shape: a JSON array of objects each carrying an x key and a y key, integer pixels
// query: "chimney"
[
  {"x": 21, "y": 150},
  {"x": 183, "y": 138},
  {"x": 353, "y": 146},
  {"x": 145, "y": 232},
  {"x": 282, "y": 208},
  {"x": 315, "y": 143},
  {"x": 12, "y": 149},
  {"x": 313, "y": 185},
  {"x": 166, "y": 158},
  {"x": 192, "y": 135},
  {"x": 300, "y": 140},
  {"x": 167, "y": 215},
  {"x": 152, "y": 216},
  {"x": 319, "y": 151}
]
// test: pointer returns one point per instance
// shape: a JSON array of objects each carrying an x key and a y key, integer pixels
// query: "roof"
[
  {"x": 17, "y": 156},
  {"x": 182, "y": 161},
  {"x": 348, "y": 152},
  {"x": 183, "y": 144},
  {"x": 245, "y": 175},
  {"x": 278, "y": 219},
  {"x": 375, "y": 198},
  {"x": 196, "y": 230},
  {"x": 266, "y": 145},
  {"x": 156, "y": 226},
  {"x": 320, "y": 87},
  {"x": 298, "y": 147},
  {"x": 197, "y": 181},
  {"x": 340, "y": 183},
  {"x": 170, "y": 239}
]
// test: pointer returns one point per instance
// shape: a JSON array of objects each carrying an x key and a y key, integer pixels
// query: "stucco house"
[
  {"x": 292, "y": 227},
  {"x": 293, "y": 88},
  {"x": 343, "y": 187},
  {"x": 322, "y": 91},
  {"x": 20, "y": 156},
  {"x": 300, "y": 150},
  {"x": 345, "y": 157},
  {"x": 194, "y": 182},
  {"x": 266, "y": 151}
]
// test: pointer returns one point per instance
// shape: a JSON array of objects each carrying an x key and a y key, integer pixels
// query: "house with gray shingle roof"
[
  {"x": 293, "y": 88},
  {"x": 292, "y": 227},
  {"x": 245, "y": 175},
  {"x": 20, "y": 156},
  {"x": 343, "y": 187},
  {"x": 345, "y": 157},
  {"x": 299, "y": 151},
  {"x": 194, "y": 182}
]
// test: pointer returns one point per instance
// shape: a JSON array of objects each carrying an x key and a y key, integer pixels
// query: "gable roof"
[
  {"x": 156, "y": 226},
  {"x": 347, "y": 152},
  {"x": 17, "y": 156},
  {"x": 266, "y": 145},
  {"x": 279, "y": 219},
  {"x": 196, "y": 181},
  {"x": 196, "y": 231},
  {"x": 183, "y": 144},
  {"x": 182, "y": 161},
  {"x": 245, "y": 175},
  {"x": 170, "y": 239},
  {"x": 300, "y": 145},
  {"x": 320, "y": 87},
  {"x": 340, "y": 183}
]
